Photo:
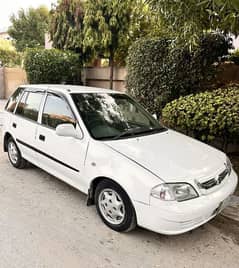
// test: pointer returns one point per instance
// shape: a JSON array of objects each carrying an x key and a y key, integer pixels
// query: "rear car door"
[
  {"x": 62, "y": 156},
  {"x": 10, "y": 109},
  {"x": 24, "y": 122}
]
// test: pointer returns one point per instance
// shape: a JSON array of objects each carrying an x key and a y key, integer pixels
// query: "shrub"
[
  {"x": 159, "y": 71},
  {"x": 52, "y": 66},
  {"x": 145, "y": 72},
  {"x": 206, "y": 115}
]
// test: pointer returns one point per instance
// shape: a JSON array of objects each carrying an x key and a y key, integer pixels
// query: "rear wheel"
[
  {"x": 14, "y": 155},
  {"x": 114, "y": 207}
]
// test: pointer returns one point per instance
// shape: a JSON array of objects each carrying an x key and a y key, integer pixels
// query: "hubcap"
[
  {"x": 13, "y": 153},
  {"x": 111, "y": 206}
]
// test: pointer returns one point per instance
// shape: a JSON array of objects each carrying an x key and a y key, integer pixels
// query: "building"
[{"x": 4, "y": 34}]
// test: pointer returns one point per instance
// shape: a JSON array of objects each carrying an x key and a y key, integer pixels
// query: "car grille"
[{"x": 214, "y": 181}]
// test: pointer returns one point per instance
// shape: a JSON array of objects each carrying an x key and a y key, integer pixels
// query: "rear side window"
[
  {"x": 12, "y": 102},
  {"x": 29, "y": 105},
  {"x": 56, "y": 112}
]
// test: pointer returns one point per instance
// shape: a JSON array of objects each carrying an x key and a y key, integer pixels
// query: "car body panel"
[
  {"x": 179, "y": 217},
  {"x": 102, "y": 161},
  {"x": 171, "y": 155},
  {"x": 56, "y": 147}
]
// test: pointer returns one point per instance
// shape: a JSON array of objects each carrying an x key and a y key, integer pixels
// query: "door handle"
[
  {"x": 42, "y": 138},
  {"x": 14, "y": 125}
]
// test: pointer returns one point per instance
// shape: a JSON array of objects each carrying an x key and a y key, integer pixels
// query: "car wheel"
[
  {"x": 114, "y": 207},
  {"x": 14, "y": 155}
]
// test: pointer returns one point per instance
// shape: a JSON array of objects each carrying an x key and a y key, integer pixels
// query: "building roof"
[{"x": 3, "y": 30}]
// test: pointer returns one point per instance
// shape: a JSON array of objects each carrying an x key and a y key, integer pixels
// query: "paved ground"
[{"x": 45, "y": 223}]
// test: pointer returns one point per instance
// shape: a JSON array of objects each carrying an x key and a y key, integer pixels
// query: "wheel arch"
[
  {"x": 6, "y": 138},
  {"x": 93, "y": 185}
]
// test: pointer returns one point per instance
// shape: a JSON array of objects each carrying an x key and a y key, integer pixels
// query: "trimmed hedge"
[
  {"x": 147, "y": 71},
  {"x": 206, "y": 116},
  {"x": 52, "y": 66},
  {"x": 160, "y": 71}
]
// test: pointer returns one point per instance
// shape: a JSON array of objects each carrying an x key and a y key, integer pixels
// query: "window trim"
[
  {"x": 14, "y": 112},
  {"x": 20, "y": 97},
  {"x": 44, "y": 104},
  {"x": 28, "y": 92},
  {"x": 45, "y": 92}
]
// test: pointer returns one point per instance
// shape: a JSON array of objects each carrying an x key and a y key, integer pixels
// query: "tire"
[
  {"x": 14, "y": 155},
  {"x": 114, "y": 207}
]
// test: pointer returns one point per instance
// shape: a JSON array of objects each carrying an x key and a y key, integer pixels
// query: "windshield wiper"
[
  {"x": 128, "y": 132},
  {"x": 138, "y": 130}
]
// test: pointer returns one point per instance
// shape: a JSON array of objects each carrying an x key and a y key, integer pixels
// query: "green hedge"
[
  {"x": 160, "y": 71},
  {"x": 52, "y": 66},
  {"x": 147, "y": 71},
  {"x": 206, "y": 116}
]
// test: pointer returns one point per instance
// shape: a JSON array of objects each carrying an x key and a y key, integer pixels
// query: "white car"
[{"x": 105, "y": 144}]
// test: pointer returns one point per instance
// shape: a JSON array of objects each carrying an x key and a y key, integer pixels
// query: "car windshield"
[{"x": 114, "y": 116}]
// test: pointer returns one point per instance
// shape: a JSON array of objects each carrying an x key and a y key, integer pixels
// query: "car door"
[
  {"x": 61, "y": 156},
  {"x": 11, "y": 106},
  {"x": 24, "y": 122}
]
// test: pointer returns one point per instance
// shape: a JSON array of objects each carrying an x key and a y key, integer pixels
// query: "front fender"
[{"x": 102, "y": 161}]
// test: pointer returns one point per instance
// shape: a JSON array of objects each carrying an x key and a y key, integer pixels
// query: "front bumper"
[{"x": 172, "y": 217}]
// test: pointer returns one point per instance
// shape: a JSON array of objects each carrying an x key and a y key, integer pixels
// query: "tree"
[
  {"x": 107, "y": 25},
  {"x": 187, "y": 20},
  {"x": 143, "y": 23},
  {"x": 8, "y": 55},
  {"x": 28, "y": 27},
  {"x": 66, "y": 26}
]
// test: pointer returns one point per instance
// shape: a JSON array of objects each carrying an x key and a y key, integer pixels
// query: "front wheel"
[
  {"x": 114, "y": 207},
  {"x": 14, "y": 155}
]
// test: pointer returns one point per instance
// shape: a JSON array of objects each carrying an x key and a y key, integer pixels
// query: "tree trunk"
[{"x": 111, "y": 63}]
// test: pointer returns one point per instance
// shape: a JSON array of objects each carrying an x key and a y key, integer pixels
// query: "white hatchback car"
[{"x": 105, "y": 144}]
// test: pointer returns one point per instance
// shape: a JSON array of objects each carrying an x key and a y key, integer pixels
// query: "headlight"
[
  {"x": 229, "y": 166},
  {"x": 174, "y": 191}
]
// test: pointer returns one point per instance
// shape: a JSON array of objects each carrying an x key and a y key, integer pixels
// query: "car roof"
[{"x": 69, "y": 88}]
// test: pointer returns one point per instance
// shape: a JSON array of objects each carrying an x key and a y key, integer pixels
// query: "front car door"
[{"x": 61, "y": 156}]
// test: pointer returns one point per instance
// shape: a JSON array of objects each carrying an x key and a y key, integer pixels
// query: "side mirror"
[{"x": 68, "y": 130}]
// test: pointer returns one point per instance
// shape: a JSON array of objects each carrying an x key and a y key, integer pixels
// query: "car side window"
[
  {"x": 56, "y": 112},
  {"x": 29, "y": 105},
  {"x": 12, "y": 102}
]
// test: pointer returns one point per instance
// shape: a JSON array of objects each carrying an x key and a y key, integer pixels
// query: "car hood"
[{"x": 171, "y": 156}]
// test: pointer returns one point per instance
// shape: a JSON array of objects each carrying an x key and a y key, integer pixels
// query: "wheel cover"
[
  {"x": 13, "y": 152},
  {"x": 111, "y": 206}
]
